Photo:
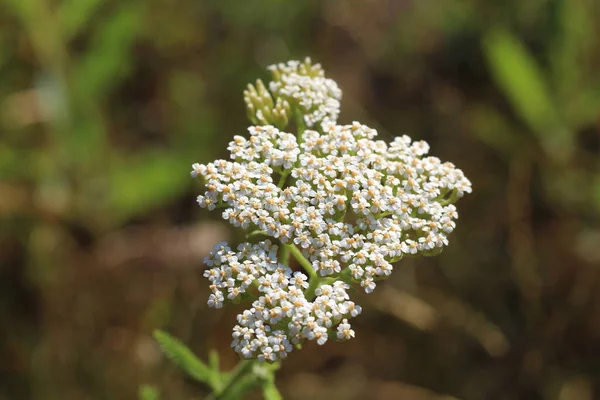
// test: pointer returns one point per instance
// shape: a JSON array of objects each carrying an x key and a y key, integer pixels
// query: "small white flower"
[{"x": 344, "y": 331}]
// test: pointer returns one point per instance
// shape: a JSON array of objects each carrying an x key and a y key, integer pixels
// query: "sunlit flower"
[{"x": 351, "y": 204}]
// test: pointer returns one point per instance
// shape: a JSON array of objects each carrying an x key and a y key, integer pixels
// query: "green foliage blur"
[{"x": 105, "y": 104}]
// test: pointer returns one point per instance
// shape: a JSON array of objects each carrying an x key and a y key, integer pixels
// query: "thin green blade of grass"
[{"x": 520, "y": 79}]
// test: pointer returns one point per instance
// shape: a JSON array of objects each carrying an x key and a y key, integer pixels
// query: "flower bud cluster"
[
  {"x": 260, "y": 107},
  {"x": 305, "y": 85},
  {"x": 349, "y": 206}
]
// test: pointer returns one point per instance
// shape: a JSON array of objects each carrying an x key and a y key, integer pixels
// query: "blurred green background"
[{"x": 105, "y": 104}]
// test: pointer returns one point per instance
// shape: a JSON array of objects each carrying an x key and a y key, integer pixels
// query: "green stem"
[
  {"x": 302, "y": 260},
  {"x": 255, "y": 234},
  {"x": 284, "y": 255},
  {"x": 282, "y": 179},
  {"x": 313, "y": 285},
  {"x": 383, "y": 214},
  {"x": 314, "y": 280},
  {"x": 214, "y": 377},
  {"x": 300, "y": 126},
  {"x": 346, "y": 276},
  {"x": 239, "y": 375}
]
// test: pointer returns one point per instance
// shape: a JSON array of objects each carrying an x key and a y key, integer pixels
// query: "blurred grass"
[{"x": 105, "y": 104}]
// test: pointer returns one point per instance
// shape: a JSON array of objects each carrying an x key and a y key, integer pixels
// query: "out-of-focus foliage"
[
  {"x": 186, "y": 360},
  {"x": 148, "y": 393},
  {"x": 104, "y": 105}
]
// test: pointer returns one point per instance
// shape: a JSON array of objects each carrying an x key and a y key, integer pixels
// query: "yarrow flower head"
[
  {"x": 345, "y": 205},
  {"x": 305, "y": 86}
]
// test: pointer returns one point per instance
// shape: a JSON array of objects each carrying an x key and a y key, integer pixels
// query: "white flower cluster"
[
  {"x": 347, "y": 204},
  {"x": 351, "y": 202},
  {"x": 305, "y": 84},
  {"x": 281, "y": 316}
]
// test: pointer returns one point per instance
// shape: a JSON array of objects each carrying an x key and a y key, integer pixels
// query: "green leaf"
[
  {"x": 109, "y": 56},
  {"x": 520, "y": 79},
  {"x": 148, "y": 392},
  {"x": 213, "y": 359},
  {"x": 218, "y": 378},
  {"x": 183, "y": 357},
  {"x": 574, "y": 40}
]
